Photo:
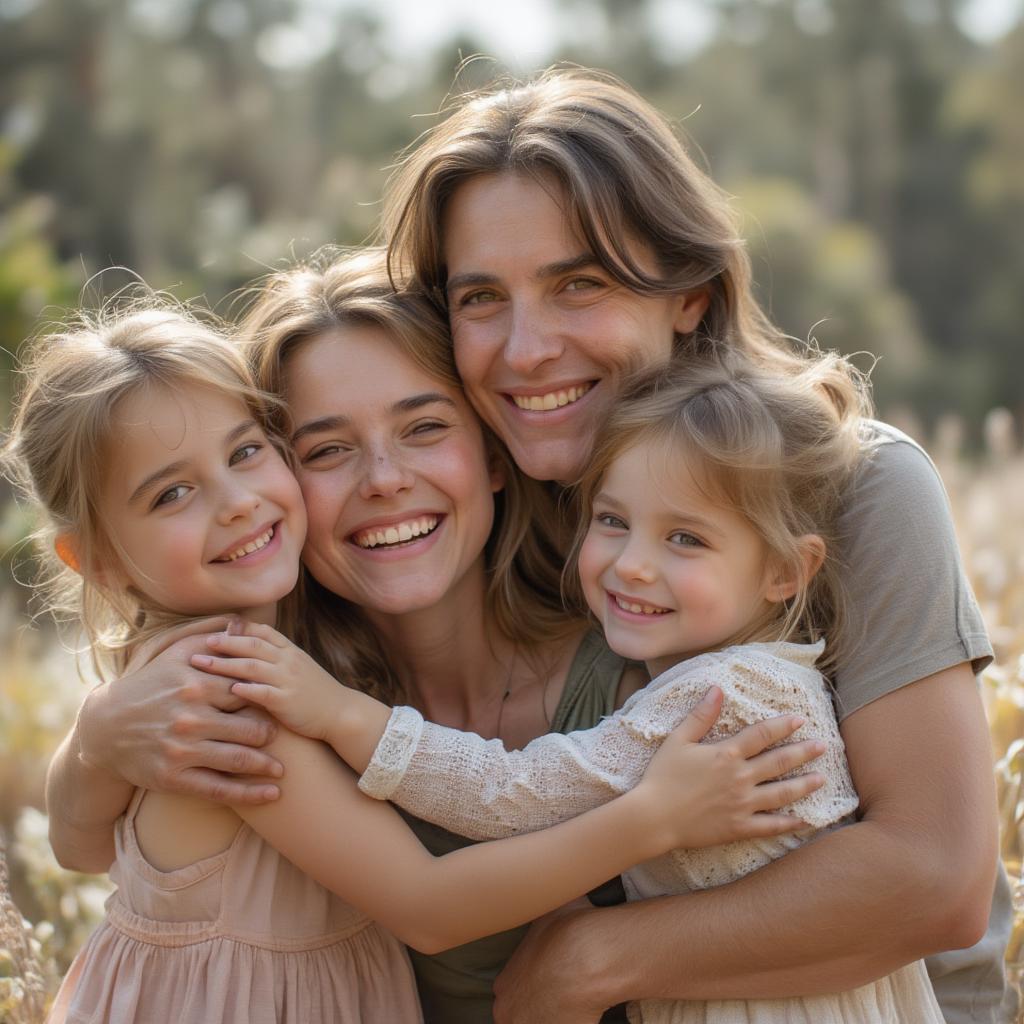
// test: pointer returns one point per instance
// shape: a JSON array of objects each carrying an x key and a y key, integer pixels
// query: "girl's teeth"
[
  {"x": 552, "y": 400},
  {"x": 638, "y": 609},
  {"x": 397, "y": 534},
  {"x": 253, "y": 545}
]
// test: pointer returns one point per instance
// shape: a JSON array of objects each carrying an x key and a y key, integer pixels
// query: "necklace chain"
[{"x": 508, "y": 693}]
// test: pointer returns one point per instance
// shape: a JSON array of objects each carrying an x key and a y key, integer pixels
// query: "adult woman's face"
[
  {"x": 542, "y": 332},
  {"x": 393, "y": 471}
]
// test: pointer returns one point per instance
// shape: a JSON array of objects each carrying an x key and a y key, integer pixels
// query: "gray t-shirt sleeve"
[{"x": 912, "y": 611}]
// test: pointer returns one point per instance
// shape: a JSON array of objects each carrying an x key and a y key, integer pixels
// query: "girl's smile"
[
  {"x": 668, "y": 571},
  {"x": 203, "y": 514}
]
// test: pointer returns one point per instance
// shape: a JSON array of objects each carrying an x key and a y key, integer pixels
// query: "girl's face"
[
  {"x": 542, "y": 332},
  {"x": 206, "y": 515},
  {"x": 667, "y": 570},
  {"x": 393, "y": 470}
]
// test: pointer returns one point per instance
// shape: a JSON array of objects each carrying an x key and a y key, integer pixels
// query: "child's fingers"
[
  {"x": 243, "y": 647},
  {"x": 774, "y": 763},
  {"x": 235, "y": 668},
  {"x": 146, "y": 652},
  {"x": 704, "y": 714},
  {"x": 257, "y": 693},
  {"x": 261, "y": 631},
  {"x": 771, "y": 795},
  {"x": 754, "y": 739},
  {"x": 759, "y": 826}
]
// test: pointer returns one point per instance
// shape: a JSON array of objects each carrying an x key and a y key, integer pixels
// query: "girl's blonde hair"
[
  {"x": 780, "y": 449},
  {"x": 624, "y": 175},
  {"x": 338, "y": 290},
  {"x": 73, "y": 381}
]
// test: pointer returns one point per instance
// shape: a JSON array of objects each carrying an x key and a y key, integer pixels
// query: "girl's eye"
[
  {"x": 172, "y": 494},
  {"x": 685, "y": 540},
  {"x": 609, "y": 520},
  {"x": 246, "y": 451}
]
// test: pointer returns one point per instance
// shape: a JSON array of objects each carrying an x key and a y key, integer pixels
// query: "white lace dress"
[{"x": 477, "y": 788}]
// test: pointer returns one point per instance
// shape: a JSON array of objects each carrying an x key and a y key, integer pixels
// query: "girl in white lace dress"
[{"x": 710, "y": 505}]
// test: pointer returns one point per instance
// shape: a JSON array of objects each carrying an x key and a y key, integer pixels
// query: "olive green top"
[{"x": 456, "y": 986}]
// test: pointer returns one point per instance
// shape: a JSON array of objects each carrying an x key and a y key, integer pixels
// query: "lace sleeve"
[{"x": 478, "y": 789}]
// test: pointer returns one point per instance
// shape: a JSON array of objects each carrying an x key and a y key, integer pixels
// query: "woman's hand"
[
  {"x": 278, "y": 676},
  {"x": 706, "y": 794}
]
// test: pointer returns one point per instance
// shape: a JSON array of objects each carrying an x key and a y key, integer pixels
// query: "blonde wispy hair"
[
  {"x": 339, "y": 289},
  {"x": 779, "y": 449},
  {"x": 73, "y": 379}
]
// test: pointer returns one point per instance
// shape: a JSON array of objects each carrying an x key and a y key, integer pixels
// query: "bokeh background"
[{"x": 875, "y": 149}]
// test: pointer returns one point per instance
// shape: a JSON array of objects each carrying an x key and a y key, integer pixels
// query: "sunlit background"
[{"x": 875, "y": 150}]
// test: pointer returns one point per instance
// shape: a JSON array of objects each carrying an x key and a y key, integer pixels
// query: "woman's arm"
[
  {"x": 912, "y": 877},
  {"x": 477, "y": 788},
  {"x": 166, "y": 727},
  {"x": 363, "y": 851}
]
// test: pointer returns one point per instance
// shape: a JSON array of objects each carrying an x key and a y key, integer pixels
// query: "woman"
[
  {"x": 431, "y": 577},
  {"x": 570, "y": 238}
]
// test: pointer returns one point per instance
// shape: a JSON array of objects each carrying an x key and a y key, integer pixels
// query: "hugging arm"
[
  {"x": 479, "y": 789},
  {"x": 362, "y": 850},
  {"x": 163, "y": 726},
  {"x": 914, "y": 875}
]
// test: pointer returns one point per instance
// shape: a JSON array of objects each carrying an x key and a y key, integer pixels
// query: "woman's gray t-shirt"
[{"x": 913, "y": 614}]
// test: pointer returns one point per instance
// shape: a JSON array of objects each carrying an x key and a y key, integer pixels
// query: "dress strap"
[{"x": 134, "y": 804}]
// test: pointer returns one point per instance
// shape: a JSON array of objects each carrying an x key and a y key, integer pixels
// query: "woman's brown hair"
[{"x": 336, "y": 290}]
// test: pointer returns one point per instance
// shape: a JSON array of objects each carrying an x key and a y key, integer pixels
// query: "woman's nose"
[
  {"x": 384, "y": 473},
  {"x": 531, "y": 340}
]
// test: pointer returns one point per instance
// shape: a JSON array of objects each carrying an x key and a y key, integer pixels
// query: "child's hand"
[
  {"x": 277, "y": 675},
  {"x": 706, "y": 794}
]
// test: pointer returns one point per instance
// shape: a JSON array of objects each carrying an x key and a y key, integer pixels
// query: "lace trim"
[{"x": 391, "y": 759}]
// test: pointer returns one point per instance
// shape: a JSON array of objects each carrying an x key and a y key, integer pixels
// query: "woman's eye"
[
  {"x": 246, "y": 451},
  {"x": 427, "y": 427},
  {"x": 322, "y": 453},
  {"x": 478, "y": 297},
  {"x": 579, "y": 284},
  {"x": 172, "y": 494},
  {"x": 685, "y": 540}
]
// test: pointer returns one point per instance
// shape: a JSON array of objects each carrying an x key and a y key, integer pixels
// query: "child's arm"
[
  {"x": 501, "y": 793},
  {"x": 361, "y": 849}
]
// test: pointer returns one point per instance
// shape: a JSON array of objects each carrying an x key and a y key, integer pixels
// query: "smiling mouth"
[
  {"x": 552, "y": 400},
  {"x": 396, "y": 534},
  {"x": 251, "y": 547},
  {"x": 638, "y": 607}
]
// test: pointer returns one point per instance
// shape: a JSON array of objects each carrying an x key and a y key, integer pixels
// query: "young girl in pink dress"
[
  {"x": 140, "y": 436},
  {"x": 709, "y": 505}
]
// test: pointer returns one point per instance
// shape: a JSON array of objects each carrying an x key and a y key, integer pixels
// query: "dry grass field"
[{"x": 40, "y": 693}]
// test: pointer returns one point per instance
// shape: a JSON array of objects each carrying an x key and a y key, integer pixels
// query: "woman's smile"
[
  {"x": 393, "y": 469},
  {"x": 543, "y": 334}
]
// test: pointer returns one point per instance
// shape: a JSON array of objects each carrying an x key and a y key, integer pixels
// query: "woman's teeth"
[
  {"x": 248, "y": 549},
  {"x": 397, "y": 534},
  {"x": 638, "y": 609},
  {"x": 552, "y": 400}
]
